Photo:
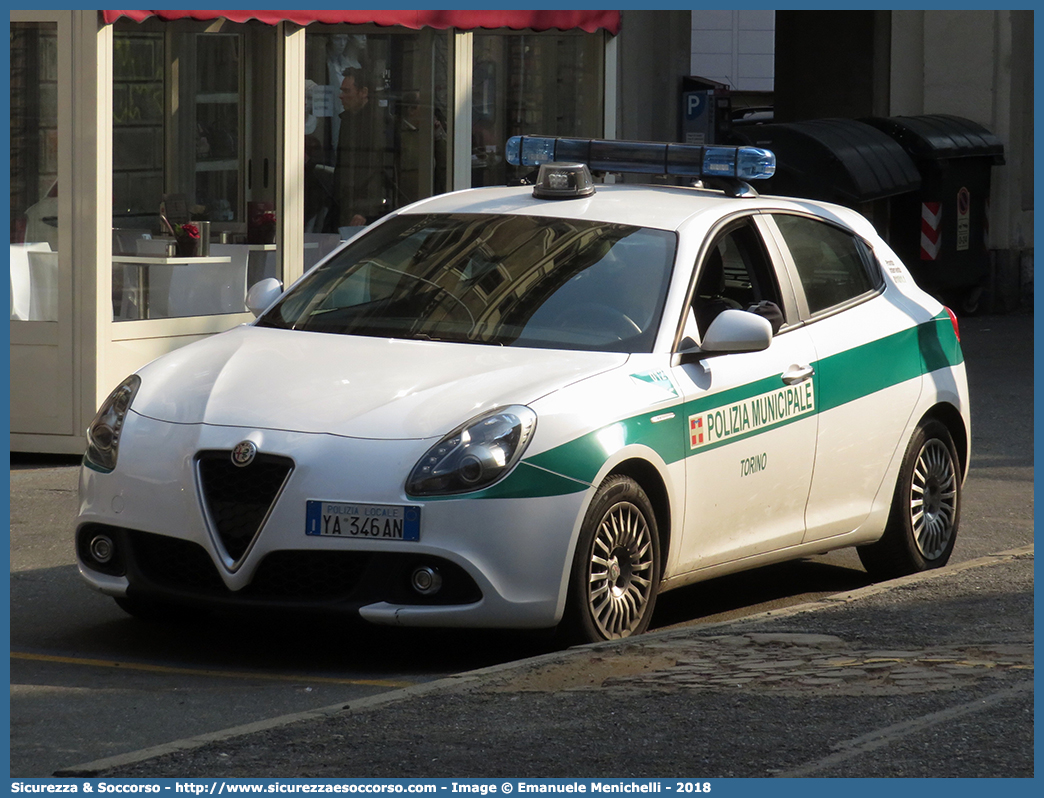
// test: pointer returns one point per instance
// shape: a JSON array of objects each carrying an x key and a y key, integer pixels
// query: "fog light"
[
  {"x": 102, "y": 549},
  {"x": 426, "y": 581}
]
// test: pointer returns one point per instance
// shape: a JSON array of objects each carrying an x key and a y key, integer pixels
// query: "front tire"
[
  {"x": 926, "y": 508},
  {"x": 616, "y": 567}
]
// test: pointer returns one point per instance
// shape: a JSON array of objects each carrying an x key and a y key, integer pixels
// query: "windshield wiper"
[{"x": 423, "y": 336}]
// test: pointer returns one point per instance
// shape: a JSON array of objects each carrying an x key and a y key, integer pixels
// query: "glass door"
[
  {"x": 195, "y": 159},
  {"x": 547, "y": 83},
  {"x": 41, "y": 259},
  {"x": 214, "y": 131},
  {"x": 376, "y": 127}
]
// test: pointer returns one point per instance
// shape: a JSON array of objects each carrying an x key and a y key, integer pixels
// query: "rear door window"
[{"x": 833, "y": 266}]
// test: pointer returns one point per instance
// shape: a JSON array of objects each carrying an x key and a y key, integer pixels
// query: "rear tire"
[
  {"x": 926, "y": 508},
  {"x": 616, "y": 566}
]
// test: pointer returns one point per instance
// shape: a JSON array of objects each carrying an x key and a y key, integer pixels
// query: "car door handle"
[{"x": 798, "y": 374}]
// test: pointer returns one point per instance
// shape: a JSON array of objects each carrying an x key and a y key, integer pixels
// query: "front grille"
[
  {"x": 303, "y": 575},
  {"x": 186, "y": 567},
  {"x": 238, "y": 498},
  {"x": 174, "y": 563}
]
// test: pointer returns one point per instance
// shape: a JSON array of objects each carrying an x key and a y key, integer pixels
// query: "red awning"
[{"x": 589, "y": 21}]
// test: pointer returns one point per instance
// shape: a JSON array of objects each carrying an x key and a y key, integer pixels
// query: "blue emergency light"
[{"x": 645, "y": 157}]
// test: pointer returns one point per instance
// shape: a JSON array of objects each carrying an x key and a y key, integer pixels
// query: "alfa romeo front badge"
[{"x": 244, "y": 453}]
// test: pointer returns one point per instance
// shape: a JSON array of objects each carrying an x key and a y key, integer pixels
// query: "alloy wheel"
[
  {"x": 621, "y": 571},
  {"x": 933, "y": 498}
]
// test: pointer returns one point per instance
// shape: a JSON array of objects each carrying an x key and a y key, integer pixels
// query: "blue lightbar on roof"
[{"x": 645, "y": 157}]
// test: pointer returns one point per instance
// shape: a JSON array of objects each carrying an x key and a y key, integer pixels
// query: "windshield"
[{"x": 490, "y": 279}]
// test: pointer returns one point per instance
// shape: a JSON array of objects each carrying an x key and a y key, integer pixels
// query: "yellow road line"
[{"x": 141, "y": 666}]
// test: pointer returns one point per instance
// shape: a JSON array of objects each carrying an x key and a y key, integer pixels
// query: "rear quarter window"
[{"x": 833, "y": 266}]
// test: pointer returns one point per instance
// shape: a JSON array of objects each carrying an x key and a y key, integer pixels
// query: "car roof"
[
  {"x": 660, "y": 207},
  {"x": 656, "y": 207}
]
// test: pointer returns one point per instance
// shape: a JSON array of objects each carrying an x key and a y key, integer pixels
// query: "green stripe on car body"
[
  {"x": 887, "y": 361},
  {"x": 842, "y": 378}
]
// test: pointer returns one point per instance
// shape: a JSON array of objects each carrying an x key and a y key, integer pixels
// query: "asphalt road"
[
  {"x": 928, "y": 676},
  {"x": 88, "y": 682}
]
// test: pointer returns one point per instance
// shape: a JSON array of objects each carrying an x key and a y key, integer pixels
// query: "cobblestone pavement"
[{"x": 789, "y": 663}]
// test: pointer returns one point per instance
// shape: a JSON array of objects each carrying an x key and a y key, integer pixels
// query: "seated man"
[
  {"x": 770, "y": 310},
  {"x": 710, "y": 299}
]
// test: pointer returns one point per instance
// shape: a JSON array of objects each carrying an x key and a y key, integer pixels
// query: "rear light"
[{"x": 953, "y": 321}]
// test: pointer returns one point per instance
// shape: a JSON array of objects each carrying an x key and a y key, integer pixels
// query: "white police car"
[{"x": 540, "y": 406}]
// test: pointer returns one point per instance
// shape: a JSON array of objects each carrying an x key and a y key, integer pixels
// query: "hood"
[{"x": 349, "y": 385}]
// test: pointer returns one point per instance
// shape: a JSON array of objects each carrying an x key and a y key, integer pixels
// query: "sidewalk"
[{"x": 883, "y": 681}]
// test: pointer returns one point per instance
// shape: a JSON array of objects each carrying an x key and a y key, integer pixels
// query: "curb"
[{"x": 461, "y": 680}]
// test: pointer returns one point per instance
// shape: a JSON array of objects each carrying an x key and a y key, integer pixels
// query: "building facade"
[
  {"x": 240, "y": 124},
  {"x": 274, "y": 134}
]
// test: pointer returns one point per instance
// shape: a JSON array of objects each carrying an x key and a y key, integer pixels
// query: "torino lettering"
[{"x": 751, "y": 415}]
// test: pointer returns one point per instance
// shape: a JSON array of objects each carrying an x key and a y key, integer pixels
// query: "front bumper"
[{"x": 504, "y": 562}]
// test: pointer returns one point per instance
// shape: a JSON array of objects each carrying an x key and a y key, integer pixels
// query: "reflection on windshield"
[{"x": 488, "y": 279}]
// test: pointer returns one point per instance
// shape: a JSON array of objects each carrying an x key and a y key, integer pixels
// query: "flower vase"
[{"x": 186, "y": 247}]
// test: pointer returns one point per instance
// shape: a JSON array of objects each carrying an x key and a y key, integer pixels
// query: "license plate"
[{"x": 369, "y": 521}]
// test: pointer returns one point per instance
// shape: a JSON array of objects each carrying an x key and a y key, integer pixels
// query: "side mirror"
[
  {"x": 738, "y": 331},
  {"x": 732, "y": 331},
  {"x": 263, "y": 294}
]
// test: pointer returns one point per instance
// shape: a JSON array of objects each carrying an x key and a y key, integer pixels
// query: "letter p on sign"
[{"x": 693, "y": 104}]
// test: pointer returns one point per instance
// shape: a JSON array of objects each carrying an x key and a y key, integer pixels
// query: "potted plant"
[
  {"x": 186, "y": 238},
  {"x": 268, "y": 226},
  {"x": 261, "y": 228}
]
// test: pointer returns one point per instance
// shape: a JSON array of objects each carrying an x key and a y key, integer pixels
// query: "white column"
[
  {"x": 463, "y": 45},
  {"x": 290, "y": 185},
  {"x": 91, "y": 212},
  {"x": 612, "y": 87}
]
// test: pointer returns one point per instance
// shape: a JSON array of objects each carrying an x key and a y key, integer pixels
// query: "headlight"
[
  {"x": 475, "y": 455},
  {"x": 103, "y": 435}
]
